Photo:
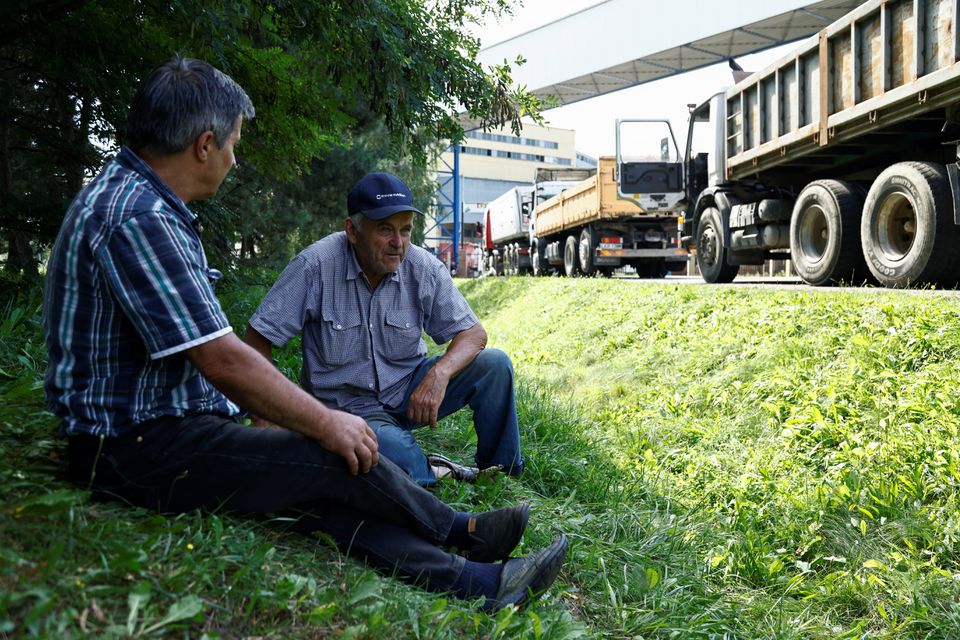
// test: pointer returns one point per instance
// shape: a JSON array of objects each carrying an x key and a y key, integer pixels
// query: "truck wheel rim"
[
  {"x": 708, "y": 246},
  {"x": 896, "y": 227},
  {"x": 814, "y": 234}
]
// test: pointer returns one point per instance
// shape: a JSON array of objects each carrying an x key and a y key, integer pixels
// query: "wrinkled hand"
[
  {"x": 262, "y": 423},
  {"x": 352, "y": 439},
  {"x": 425, "y": 400}
]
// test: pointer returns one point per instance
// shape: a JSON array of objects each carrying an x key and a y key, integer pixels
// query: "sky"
[{"x": 593, "y": 119}]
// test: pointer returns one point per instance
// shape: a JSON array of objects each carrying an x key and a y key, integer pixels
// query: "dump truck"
[
  {"x": 506, "y": 224},
  {"x": 629, "y": 213},
  {"x": 841, "y": 155}
]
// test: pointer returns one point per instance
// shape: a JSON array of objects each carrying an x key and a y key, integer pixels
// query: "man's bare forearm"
[
  {"x": 462, "y": 350},
  {"x": 242, "y": 374},
  {"x": 256, "y": 340}
]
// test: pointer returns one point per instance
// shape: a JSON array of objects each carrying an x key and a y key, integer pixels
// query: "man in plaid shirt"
[{"x": 147, "y": 375}]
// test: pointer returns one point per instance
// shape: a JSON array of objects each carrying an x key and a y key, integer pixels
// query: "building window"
[{"x": 499, "y": 137}]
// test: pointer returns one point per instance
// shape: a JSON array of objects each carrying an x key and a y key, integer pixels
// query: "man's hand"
[
  {"x": 424, "y": 404},
  {"x": 262, "y": 423},
  {"x": 249, "y": 379},
  {"x": 352, "y": 439}
]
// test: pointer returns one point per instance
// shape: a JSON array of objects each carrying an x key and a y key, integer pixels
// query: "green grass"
[{"x": 728, "y": 463}]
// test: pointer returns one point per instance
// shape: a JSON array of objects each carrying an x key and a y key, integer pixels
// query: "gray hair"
[
  {"x": 357, "y": 220},
  {"x": 181, "y": 99}
]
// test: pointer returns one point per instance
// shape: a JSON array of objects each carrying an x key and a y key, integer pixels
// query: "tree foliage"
[{"x": 340, "y": 88}]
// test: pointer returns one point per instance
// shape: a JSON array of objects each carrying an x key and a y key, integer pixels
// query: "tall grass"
[
  {"x": 728, "y": 463},
  {"x": 803, "y": 446},
  {"x": 72, "y": 567}
]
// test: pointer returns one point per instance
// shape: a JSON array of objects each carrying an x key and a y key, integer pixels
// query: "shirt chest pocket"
[
  {"x": 401, "y": 334},
  {"x": 341, "y": 337}
]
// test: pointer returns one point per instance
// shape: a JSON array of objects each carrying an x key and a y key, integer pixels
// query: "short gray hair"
[
  {"x": 181, "y": 99},
  {"x": 357, "y": 220}
]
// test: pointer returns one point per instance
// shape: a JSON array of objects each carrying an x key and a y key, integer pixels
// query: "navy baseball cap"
[{"x": 380, "y": 195}]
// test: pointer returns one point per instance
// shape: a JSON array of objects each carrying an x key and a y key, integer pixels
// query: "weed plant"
[{"x": 728, "y": 463}]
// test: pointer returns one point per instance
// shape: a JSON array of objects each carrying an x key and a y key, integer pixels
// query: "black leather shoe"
[
  {"x": 496, "y": 533},
  {"x": 528, "y": 577}
]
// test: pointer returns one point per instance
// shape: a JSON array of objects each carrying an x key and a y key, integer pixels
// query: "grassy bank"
[
  {"x": 727, "y": 462},
  {"x": 788, "y": 462}
]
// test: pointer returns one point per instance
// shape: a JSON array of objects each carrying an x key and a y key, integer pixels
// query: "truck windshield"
[{"x": 647, "y": 142}]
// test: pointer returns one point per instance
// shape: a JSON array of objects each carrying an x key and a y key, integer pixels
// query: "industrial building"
[{"x": 490, "y": 164}]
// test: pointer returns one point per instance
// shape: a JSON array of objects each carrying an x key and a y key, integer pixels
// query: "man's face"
[
  {"x": 381, "y": 245},
  {"x": 222, "y": 159}
]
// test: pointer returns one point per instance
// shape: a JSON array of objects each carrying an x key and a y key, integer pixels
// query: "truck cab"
[{"x": 649, "y": 169}]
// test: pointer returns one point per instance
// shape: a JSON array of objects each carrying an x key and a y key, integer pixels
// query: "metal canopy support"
[{"x": 444, "y": 219}]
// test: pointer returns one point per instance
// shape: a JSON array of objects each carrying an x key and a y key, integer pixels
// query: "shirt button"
[
  {"x": 339, "y": 326},
  {"x": 408, "y": 325},
  {"x": 370, "y": 385}
]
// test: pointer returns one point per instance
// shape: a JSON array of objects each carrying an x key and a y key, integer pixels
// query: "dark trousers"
[{"x": 179, "y": 464}]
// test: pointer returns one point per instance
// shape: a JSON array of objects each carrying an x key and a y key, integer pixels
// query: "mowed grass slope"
[
  {"x": 784, "y": 464},
  {"x": 728, "y": 462}
]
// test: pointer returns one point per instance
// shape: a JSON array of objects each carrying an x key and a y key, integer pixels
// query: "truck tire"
[
  {"x": 538, "y": 262},
  {"x": 825, "y": 234},
  {"x": 676, "y": 267},
  {"x": 907, "y": 228},
  {"x": 571, "y": 257},
  {"x": 712, "y": 249},
  {"x": 653, "y": 268},
  {"x": 586, "y": 249}
]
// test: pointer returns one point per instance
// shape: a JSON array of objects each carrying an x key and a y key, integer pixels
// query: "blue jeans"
[
  {"x": 208, "y": 462},
  {"x": 486, "y": 385}
]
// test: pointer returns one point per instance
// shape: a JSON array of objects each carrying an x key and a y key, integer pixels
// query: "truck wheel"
[
  {"x": 711, "y": 251},
  {"x": 537, "y": 260},
  {"x": 676, "y": 267},
  {"x": 907, "y": 228},
  {"x": 587, "y": 249},
  {"x": 571, "y": 259},
  {"x": 825, "y": 233}
]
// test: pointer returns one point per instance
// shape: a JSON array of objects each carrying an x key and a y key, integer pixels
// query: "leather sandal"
[{"x": 452, "y": 470}]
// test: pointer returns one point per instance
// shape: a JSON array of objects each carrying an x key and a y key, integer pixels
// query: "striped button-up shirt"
[
  {"x": 127, "y": 291},
  {"x": 361, "y": 346}
]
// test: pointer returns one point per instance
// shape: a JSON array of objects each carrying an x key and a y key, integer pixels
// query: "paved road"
[{"x": 781, "y": 283}]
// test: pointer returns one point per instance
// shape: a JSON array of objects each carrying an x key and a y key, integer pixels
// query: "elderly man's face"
[{"x": 381, "y": 245}]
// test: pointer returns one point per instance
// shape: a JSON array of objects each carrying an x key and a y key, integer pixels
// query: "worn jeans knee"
[{"x": 400, "y": 446}]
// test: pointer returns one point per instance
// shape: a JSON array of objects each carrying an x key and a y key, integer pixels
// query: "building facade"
[{"x": 491, "y": 163}]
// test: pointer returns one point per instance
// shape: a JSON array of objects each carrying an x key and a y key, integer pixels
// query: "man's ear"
[
  {"x": 204, "y": 146},
  {"x": 350, "y": 229}
]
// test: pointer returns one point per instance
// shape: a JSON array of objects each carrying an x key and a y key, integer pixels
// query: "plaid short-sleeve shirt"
[
  {"x": 127, "y": 291},
  {"x": 361, "y": 346}
]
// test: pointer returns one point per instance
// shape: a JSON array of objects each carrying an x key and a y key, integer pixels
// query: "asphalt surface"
[{"x": 783, "y": 283}]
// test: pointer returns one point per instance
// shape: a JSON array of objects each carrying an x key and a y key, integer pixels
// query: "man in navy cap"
[{"x": 362, "y": 298}]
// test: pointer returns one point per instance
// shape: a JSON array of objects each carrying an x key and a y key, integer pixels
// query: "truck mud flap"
[{"x": 954, "y": 179}]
